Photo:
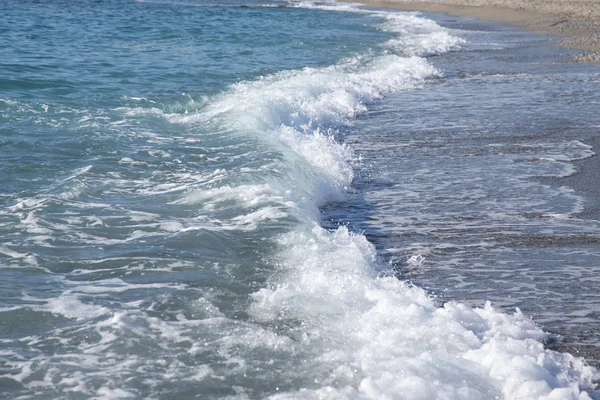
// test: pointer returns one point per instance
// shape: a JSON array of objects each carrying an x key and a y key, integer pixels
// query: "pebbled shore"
[{"x": 577, "y": 21}]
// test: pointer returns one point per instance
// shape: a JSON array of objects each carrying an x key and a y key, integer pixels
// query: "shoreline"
[{"x": 576, "y": 21}]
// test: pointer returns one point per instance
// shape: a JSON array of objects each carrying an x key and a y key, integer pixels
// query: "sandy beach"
[{"x": 577, "y": 21}]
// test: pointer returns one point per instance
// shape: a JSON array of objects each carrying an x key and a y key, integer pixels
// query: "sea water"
[{"x": 289, "y": 200}]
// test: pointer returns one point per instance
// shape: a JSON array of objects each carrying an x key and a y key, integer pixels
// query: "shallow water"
[
  {"x": 245, "y": 200},
  {"x": 456, "y": 203}
]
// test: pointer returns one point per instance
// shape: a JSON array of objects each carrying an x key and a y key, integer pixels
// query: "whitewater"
[{"x": 161, "y": 243}]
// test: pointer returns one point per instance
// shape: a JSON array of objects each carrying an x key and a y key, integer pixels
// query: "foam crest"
[
  {"x": 364, "y": 332},
  {"x": 161, "y": 315},
  {"x": 69, "y": 305},
  {"x": 330, "y": 161},
  {"x": 319, "y": 97},
  {"x": 418, "y": 36},
  {"x": 298, "y": 112},
  {"x": 382, "y": 337},
  {"x": 329, "y": 6}
]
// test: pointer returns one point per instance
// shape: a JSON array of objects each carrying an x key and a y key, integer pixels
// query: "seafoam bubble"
[
  {"x": 297, "y": 114},
  {"x": 364, "y": 335},
  {"x": 393, "y": 339},
  {"x": 359, "y": 334},
  {"x": 245, "y": 195},
  {"x": 418, "y": 36},
  {"x": 329, "y": 159},
  {"x": 252, "y": 219},
  {"x": 415, "y": 35},
  {"x": 70, "y": 306}
]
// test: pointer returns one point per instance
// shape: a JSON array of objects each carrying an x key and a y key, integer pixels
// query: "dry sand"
[{"x": 577, "y": 21}]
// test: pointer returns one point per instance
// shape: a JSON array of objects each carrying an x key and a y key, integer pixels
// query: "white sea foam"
[
  {"x": 70, "y": 306},
  {"x": 360, "y": 331},
  {"x": 415, "y": 35},
  {"x": 370, "y": 335},
  {"x": 418, "y": 36},
  {"x": 7, "y": 251},
  {"x": 382, "y": 338},
  {"x": 246, "y": 196},
  {"x": 297, "y": 112}
]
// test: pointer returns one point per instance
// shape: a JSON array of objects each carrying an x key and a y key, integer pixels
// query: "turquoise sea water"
[{"x": 289, "y": 200}]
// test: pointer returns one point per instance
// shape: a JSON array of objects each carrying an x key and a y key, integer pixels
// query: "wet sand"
[{"x": 577, "y": 21}]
